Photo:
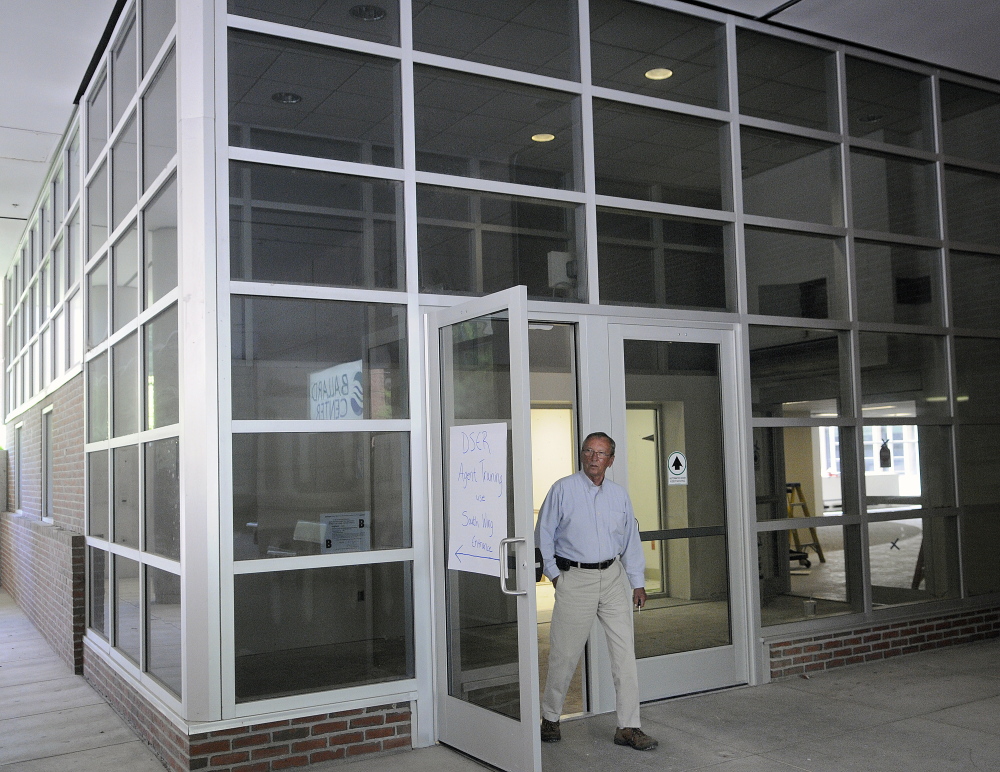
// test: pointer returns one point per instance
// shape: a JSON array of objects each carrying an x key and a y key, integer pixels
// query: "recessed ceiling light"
[
  {"x": 659, "y": 73},
  {"x": 368, "y": 12},
  {"x": 543, "y": 137},
  {"x": 286, "y": 98}
]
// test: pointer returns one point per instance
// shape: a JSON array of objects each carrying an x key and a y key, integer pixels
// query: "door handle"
[{"x": 505, "y": 568}]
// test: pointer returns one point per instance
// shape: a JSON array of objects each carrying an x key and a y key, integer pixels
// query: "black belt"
[{"x": 564, "y": 564}]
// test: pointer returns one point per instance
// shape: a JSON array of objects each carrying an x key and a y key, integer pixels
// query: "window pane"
[
  {"x": 308, "y": 227},
  {"x": 159, "y": 132},
  {"x": 74, "y": 328},
  {"x": 97, "y": 209},
  {"x": 539, "y": 36},
  {"x": 791, "y": 178},
  {"x": 59, "y": 352},
  {"x": 159, "y": 225},
  {"x": 973, "y": 206},
  {"x": 163, "y": 502},
  {"x": 288, "y": 364},
  {"x": 73, "y": 251},
  {"x": 97, "y": 398},
  {"x": 73, "y": 168},
  {"x": 919, "y": 475},
  {"x": 162, "y": 370},
  {"x": 58, "y": 271},
  {"x": 123, "y": 72},
  {"x": 126, "y": 501},
  {"x": 126, "y": 271},
  {"x": 913, "y": 560},
  {"x": 893, "y": 194},
  {"x": 658, "y": 156},
  {"x": 978, "y": 461},
  {"x": 379, "y": 23},
  {"x": 903, "y": 375},
  {"x": 495, "y": 130},
  {"x": 795, "y": 372},
  {"x": 974, "y": 279},
  {"x": 125, "y": 396},
  {"x": 323, "y": 628},
  {"x": 898, "y": 283},
  {"x": 980, "y": 535},
  {"x": 124, "y": 173},
  {"x": 478, "y": 243},
  {"x": 792, "y": 274},
  {"x": 158, "y": 17},
  {"x": 98, "y": 494},
  {"x": 99, "y": 597},
  {"x": 633, "y": 47},
  {"x": 128, "y": 610},
  {"x": 163, "y": 628},
  {"x": 970, "y": 122},
  {"x": 807, "y": 457},
  {"x": 309, "y": 100},
  {"x": 319, "y": 494},
  {"x": 97, "y": 121},
  {"x": 887, "y": 104},
  {"x": 791, "y": 591},
  {"x": 647, "y": 259},
  {"x": 785, "y": 81},
  {"x": 977, "y": 373}
]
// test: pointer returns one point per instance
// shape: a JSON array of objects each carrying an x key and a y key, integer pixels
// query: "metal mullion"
[
  {"x": 667, "y": 105},
  {"x": 490, "y": 228},
  {"x": 306, "y": 426},
  {"x": 796, "y": 226},
  {"x": 897, "y": 151},
  {"x": 314, "y": 163},
  {"x": 883, "y": 237},
  {"x": 481, "y": 70},
  {"x": 332, "y": 560},
  {"x": 833, "y": 325},
  {"x": 789, "y": 129},
  {"x": 317, "y": 292},
  {"x": 481, "y": 185},
  {"x": 909, "y": 421},
  {"x": 656, "y": 207}
]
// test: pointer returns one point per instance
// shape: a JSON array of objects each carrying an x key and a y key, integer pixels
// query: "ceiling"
[{"x": 37, "y": 86}]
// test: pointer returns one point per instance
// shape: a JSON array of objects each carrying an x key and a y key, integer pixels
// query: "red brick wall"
[
  {"x": 42, "y": 564},
  {"x": 813, "y": 653},
  {"x": 267, "y": 747}
]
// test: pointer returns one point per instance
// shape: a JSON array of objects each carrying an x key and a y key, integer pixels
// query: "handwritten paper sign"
[{"x": 478, "y": 497}]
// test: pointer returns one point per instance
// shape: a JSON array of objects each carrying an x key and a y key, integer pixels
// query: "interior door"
[
  {"x": 487, "y": 650},
  {"x": 674, "y": 405}
]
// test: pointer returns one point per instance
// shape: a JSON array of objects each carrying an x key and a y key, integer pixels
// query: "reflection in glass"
[
  {"x": 539, "y": 37},
  {"x": 125, "y": 394},
  {"x": 161, "y": 373},
  {"x": 157, "y": 19},
  {"x": 629, "y": 41},
  {"x": 322, "y": 628},
  {"x": 908, "y": 467},
  {"x": 123, "y": 80},
  {"x": 647, "y": 259},
  {"x": 970, "y": 122},
  {"x": 496, "y": 130},
  {"x": 974, "y": 279},
  {"x": 98, "y": 494},
  {"x": 378, "y": 23},
  {"x": 794, "y": 274},
  {"x": 973, "y": 205},
  {"x": 977, "y": 373},
  {"x": 97, "y": 120},
  {"x": 478, "y": 243},
  {"x": 795, "y": 372},
  {"x": 320, "y": 494},
  {"x": 898, "y": 283},
  {"x": 978, "y": 456},
  {"x": 124, "y": 173},
  {"x": 893, "y": 194},
  {"x": 97, "y": 303},
  {"x": 791, "y": 591},
  {"x": 307, "y": 227},
  {"x": 286, "y": 364},
  {"x": 658, "y": 156},
  {"x": 99, "y": 595},
  {"x": 799, "y": 471},
  {"x": 887, "y": 104},
  {"x": 159, "y": 225},
  {"x": 902, "y": 375},
  {"x": 791, "y": 177},
  {"x": 98, "y": 424},
  {"x": 159, "y": 126},
  {"x": 126, "y": 500},
  {"x": 305, "y": 99},
  {"x": 97, "y": 209},
  {"x": 128, "y": 608},
  {"x": 781, "y": 80},
  {"x": 980, "y": 535},
  {"x": 163, "y": 628},
  {"x": 163, "y": 498},
  {"x": 125, "y": 263},
  {"x": 913, "y": 560}
]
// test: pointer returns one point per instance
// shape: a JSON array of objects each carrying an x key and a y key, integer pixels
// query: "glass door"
[
  {"x": 675, "y": 408},
  {"x": 487, "y": 653}
]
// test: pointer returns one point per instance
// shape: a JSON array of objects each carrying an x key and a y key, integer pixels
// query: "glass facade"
[{"x": 839, "y": 214}]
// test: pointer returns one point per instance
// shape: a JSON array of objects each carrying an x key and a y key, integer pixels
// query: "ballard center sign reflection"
[{"x": 478, "y": 497}]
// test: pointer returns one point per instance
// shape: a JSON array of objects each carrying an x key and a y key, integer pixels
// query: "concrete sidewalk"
[{"x": 937, "y": 711}]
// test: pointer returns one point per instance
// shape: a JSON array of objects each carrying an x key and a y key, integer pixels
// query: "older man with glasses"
[{"x": 589, "y": 540}]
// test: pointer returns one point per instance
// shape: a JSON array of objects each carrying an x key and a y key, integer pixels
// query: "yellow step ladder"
[{"x": 797, "y": 507}]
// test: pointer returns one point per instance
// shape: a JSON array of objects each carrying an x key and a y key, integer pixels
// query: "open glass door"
[{"x": 487, "y": 650}]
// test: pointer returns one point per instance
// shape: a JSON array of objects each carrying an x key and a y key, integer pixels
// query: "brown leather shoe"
[
  {"x": 550, "y": 731},
  {"x": 635, "y": 738}
]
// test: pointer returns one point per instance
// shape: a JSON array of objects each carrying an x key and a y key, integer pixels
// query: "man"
[{"x": 589, "y": 540}]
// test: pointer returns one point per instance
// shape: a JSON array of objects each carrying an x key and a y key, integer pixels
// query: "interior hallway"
[{"x": 926, "y": 712}]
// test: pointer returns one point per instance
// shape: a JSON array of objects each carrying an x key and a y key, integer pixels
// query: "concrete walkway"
[{"x": 938, "y": 711}]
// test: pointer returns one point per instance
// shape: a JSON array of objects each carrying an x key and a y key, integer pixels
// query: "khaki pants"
[{"x": 582, "y": 594}]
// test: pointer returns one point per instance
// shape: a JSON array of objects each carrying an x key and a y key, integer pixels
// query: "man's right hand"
[{"x": 554, "y": 580}]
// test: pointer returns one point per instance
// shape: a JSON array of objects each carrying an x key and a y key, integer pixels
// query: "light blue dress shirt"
[{"x": 589, "y": 524}]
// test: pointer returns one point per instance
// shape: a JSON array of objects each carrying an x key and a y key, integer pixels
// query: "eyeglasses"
[{"x": 598, "y": 453}]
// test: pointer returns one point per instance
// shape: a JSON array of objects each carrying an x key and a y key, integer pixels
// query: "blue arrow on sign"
[{"x": 459, "y": 553}]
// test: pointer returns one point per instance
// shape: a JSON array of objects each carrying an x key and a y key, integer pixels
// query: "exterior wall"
[
  {"x": 265, "y": 747},
  {"x": 42, "y": 563},
  {"x": 815, "y": 653}
]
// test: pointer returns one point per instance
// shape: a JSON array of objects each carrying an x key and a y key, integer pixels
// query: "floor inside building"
[{"x": 925, "y": 712}]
